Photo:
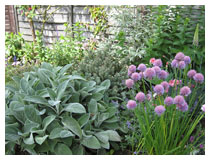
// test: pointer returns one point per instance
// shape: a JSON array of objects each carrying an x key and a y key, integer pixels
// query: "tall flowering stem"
[{"x": 169, "y": 117}]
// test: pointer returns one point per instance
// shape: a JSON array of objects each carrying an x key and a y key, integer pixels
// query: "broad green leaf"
[
  {"x": 72, "y": 125},
  {"x": 75, "y": 108},
  {"x": 47, "y": 120},
  {"x": 61, "y": 89},
  {"x": 97, "y": 96},
  {"x": 53, "y": 103},
  {"x": 17, "y": 110},
  {"x": 92, "y": 106},
  {"x": 55, "y": 124},
  {"x": 102, "y": 117},
  {"x": 11, "y": 132},
  {"x": 51, "y": 93},
  {"x": 36, "y": 99},
  {"x": 31, "y": 114},
  {"x": 67, "y": 141},
  {"x": 40, "y": 140},
  {"x": 41, "y": 112},
  {"x": 29, "y": 125},
  {"x": 73, "y": 77},
  {"x": 100, "y": 89},
  {"x": 42, "y": 76},
  {"x": 112, "y": 111},
  {"x": 75, "y": 97},
  {"x": 55, "y": 133},
  {"x": 45, "y": 147},
  {"x": 113, "y": 135},
  {"x": 29, "y": 140},
  {"x": 91, "y": 142},
  {"x": 37, "y": 131},
  {"x": 84, "y": 119},
  {"x": 24, "y": 85},
  {"x": 11, "y": 88},
  {"x": 102, "y": 136},
  {"x": 105, "y": 145},
  {"x": 64, "y": 69},
  {"x": 65, "y": 134},
  {"x": 112, "y": 120},
  {"x": 110, "y": 125},
  {"x": 62, "y": 149},
  {"x": 47, "y": 66},
  {"x": 106, "y": 83},
  {"x": 78, "y": 150}
]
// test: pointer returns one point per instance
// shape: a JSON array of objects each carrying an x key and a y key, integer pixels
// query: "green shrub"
[
  {"x": 51, "y": 112},
  {"x": 105, "y": 63},
  {"x": 13, "y": 45},
  {"x": 17, "y": 70},
  {"x": 174, "y": 31},
  {"x": 134, "y": 29}
]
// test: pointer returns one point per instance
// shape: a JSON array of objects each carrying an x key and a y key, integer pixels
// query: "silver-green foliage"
[
  {"x": 50, "y": 112},
  {"x": 135, "y": 25}
]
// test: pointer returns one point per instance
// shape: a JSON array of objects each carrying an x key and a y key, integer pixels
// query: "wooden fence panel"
[{"x": 54, "y": 27}]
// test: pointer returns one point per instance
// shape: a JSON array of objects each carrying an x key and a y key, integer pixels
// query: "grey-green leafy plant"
[
  {"x": 105, "y": 63},
  {"x": 51, "y": 112},
  {"x": 134, "y": 29}
]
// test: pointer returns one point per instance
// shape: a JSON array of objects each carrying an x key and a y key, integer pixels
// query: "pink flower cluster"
[
  {"x": 145, "y": 72},
  {"x": 180, "y": 61},
  {"x": 162, "y": 89}
]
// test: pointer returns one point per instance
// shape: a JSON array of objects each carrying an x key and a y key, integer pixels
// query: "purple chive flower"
[
  {"x": 180, "y": 56},
  {"x": 181, "y": 65},
  {"x": 149, "y": 73},
  {"x": 129, "y": 73},
  {"x": 141, "y": 74},
  {"x": 187, "y": 60},
  {"x": 163, "y": 74},
  {"x": 159, "y": 89},
  {"x": 135, "y": 153},
  {"x": 191, "y": 73},
  {"x": 158, "y": 63},
  {"x": 129, "y": 83},
  {"x": 179, "y": 100},
  {"x": 132, "y": 68},
  {"x": 168, "y": 101},
  {"x": 185, "y": 91},
  {"x": 142, "y": 67},
  {"x": 198, "y": 77},
  {"x": 191, "y": 139},
  {"x": 165, "y": 86},
  {"x": 174, "y": 63},
  {"x": 160, "y": 110},
  {"x": 201, "y": 146},
  {"x": 135, "y": 76},
  {"x": 149, "y": 96},
  {"x": 157, "y": 70},
  {"x": 203, "y": 108},
  {"x": 131, "y": 104},
  {"x": 140, "y": 97},
  {"x": 182, "y": 107}
]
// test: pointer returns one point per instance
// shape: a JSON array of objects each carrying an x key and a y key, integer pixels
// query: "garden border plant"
[
  {"x": 51, "y": 112},
  {"x": 168, "y": 118}
]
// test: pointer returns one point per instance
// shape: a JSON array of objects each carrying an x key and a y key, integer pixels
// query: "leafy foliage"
[
  {"x": 105, "y": 63},
  {"x": 13, "y": 45},
  {"x": 18, "y": 70},
  {"x": 47, "y": 110},
  {"x": 174, "y": 32},
  {"x": 135, "y": 28}
]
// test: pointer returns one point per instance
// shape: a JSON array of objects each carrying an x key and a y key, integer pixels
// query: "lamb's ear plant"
[
  {"x": 172, "y": 112},
  {"x": 50, "y": 112}
]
